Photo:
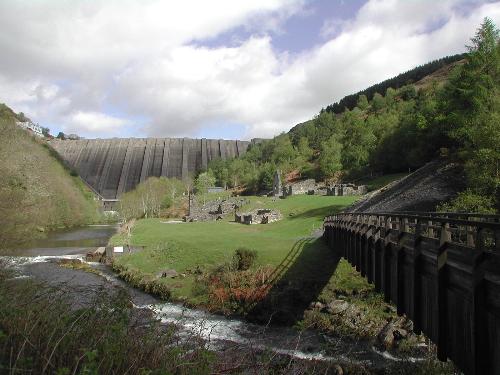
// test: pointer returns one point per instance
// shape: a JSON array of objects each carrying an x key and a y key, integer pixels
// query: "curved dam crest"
[{"x": 114, "y": 166}]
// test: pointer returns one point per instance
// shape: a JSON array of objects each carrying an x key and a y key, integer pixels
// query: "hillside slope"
[
  {"x": 434, "y": 183},
  {"x": 409, "y": 77},
  {"x": 37, "y": 192}
]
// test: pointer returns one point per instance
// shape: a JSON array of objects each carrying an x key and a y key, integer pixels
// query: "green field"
[{"x": 188, "y": 245}]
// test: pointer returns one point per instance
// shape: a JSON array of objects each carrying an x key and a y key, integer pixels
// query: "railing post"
[
  {"x": 479, "y": 239},
  {"x": 415, "y": 284},
  {"x": 430, "y": 229},
  {"x": 406, "y": 225},
  {"x": 445, "y": 234},
  {"x": 442, "y": 284}
]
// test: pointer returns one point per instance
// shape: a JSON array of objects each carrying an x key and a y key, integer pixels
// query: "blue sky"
[
  {"x": 299, "y": 32},
  {"x": 218, "y": 69}
]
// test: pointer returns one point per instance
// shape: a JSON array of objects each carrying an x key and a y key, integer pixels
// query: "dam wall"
[{"x": 114, "y": 166}]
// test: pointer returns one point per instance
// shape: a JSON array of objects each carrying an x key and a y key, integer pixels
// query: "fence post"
[
  {"x": 415, "y": 296},
  {"x": 442, "y": 281}
]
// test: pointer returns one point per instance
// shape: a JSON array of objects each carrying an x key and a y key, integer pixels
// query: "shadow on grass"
[
  {"x": 296, "y": 282},
  {"x": 319, "y": 212}
]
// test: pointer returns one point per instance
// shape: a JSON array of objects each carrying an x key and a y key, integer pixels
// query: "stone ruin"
[
  {"x": 213, "y": 210},
  {"x": 300, "y": 187},
  {"x": 277, "y": 186},
  {"x": 347, "y": 189},
  {"x": 311, "y": 187},
  {"x": 258, "y": 216}
]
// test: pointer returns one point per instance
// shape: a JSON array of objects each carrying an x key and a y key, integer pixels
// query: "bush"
[
  {"x": 244, "y": 258},
  {"x": 468, "y": 201},
  {"x": 47, "y": 333}
]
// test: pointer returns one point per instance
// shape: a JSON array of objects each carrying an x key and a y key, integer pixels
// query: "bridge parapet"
[{"x": 440, "y": 269}]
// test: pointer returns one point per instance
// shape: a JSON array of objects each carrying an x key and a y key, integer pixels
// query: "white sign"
[{"x": 118, "y": 249}]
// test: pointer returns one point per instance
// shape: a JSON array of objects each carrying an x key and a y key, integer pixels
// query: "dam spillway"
[{"x": 114, "y": 166}]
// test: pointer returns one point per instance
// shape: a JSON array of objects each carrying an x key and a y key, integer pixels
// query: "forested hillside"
[
  {"x": 37, "y": 192},
  {"x": 395, "y": 130},
  {"x": 407, "y": 78}
]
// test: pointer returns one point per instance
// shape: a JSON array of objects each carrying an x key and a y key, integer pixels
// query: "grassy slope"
[{"x": 36, "y": 190}]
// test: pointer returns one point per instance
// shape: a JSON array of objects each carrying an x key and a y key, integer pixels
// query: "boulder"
[
  {"x": 69, "y": 261},
  {"x": 337, "y": 306},
  {"x": 389, "y": 336},
  {"x": 170, "y": 273},
  {"x": 317, "y": 305},
  {"x": 337, "y": 370}
]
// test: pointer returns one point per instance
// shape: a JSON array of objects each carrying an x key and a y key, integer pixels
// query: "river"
[{"x": 40, "y": 261}]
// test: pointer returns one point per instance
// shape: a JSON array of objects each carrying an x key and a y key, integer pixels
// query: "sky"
[{"x": 232, "y": 69}]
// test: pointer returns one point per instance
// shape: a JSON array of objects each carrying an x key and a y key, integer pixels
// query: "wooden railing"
[{"x": 442, "y": 270}]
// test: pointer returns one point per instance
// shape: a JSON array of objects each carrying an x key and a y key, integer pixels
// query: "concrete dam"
[{"x": 114, "y": 166}]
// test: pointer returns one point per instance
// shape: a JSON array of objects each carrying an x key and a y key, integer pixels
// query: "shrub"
[
  {"x": 468, "y": 201},
  {"x": 244, "y": 258},
  {"x": 44, "y": 332}
]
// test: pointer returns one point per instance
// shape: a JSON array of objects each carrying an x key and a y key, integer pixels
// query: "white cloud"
[
  {"x": 65, "y": 61},
  {"x": 93, "y": 122}
]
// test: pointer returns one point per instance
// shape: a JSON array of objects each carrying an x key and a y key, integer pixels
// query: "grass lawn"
[{"x": 186, "y": 246}]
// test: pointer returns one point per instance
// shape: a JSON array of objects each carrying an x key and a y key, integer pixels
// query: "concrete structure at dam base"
[{"x": 114, "y": 166}]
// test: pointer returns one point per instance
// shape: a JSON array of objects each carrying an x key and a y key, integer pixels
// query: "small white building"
[{"x": 34, "y": 128}]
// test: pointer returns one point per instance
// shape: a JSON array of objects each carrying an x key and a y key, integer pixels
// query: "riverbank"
[
  {"x": 39, "y": 193},
  {"x": 209, "y": 343},
  {"x": 225, "y": 344}
]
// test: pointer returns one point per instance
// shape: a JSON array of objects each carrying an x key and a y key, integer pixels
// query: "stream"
[{"x": 40, "y": 260}]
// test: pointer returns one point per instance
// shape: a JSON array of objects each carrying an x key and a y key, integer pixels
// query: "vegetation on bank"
[
  {"x": 37, "y": 192},
  {"x": 155, "y": 197},
  {"x": 43, "y": 331}
]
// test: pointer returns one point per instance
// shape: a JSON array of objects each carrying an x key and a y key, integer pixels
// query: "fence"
[{"x": 440, "y": 269}]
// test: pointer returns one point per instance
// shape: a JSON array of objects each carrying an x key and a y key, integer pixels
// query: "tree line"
[
  {"x": 395, "y": 130},
  {"x": 403, "y": 79}
]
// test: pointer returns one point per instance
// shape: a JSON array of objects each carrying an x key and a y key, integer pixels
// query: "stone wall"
[
  {"x": 311, "y": 187},
  {"x": 259, "y": 216},
  {"x": 213, "y": 210},
  {"x": 347, "y": 189},
  {"x": 300, "y": 187}
]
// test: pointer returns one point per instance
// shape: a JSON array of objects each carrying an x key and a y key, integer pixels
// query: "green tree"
[
  {"x": 266, "y": 176},
  {"x": 304, "y": 150},
  {"x": 472, "y": 110},
  {"x": 330, "y": 163},
  {"x": 150, "y": 197},
  {"x": 408, "y": 92},
  {"x": 363, "y": 102},
  {"x": 204, "y": 181},
  {"x": 378, "y": 102},
  {"x": 358, "y": 141},
  {"x": 390, "y": 95},
  {"x": 220, "y": 170}
]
